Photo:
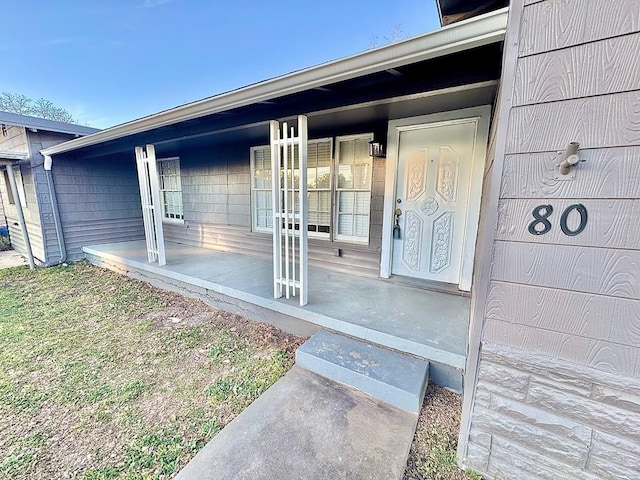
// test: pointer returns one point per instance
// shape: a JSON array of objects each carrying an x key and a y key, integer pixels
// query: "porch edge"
[{"x": 453, "y": 360}]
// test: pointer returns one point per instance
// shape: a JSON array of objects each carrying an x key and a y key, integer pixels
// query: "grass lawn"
[{"x": 104, "y": 377}]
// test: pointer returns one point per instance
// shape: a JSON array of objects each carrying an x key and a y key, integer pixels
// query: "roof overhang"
[
  {"x": 476, "y": 32},
  {"x": 452, "y": 11},
  {"x": 35, "y": 124},
  {"x": 12, "y": 157}
]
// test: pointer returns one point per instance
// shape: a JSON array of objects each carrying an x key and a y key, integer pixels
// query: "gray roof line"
[{"x": 43, "y": 124}]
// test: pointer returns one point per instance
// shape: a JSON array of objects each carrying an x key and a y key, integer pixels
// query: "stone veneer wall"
[{"x": 539, "y": 417}]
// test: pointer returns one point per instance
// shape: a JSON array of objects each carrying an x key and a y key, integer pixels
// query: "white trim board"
[
  {"x": 488, "y": 228},
  {"x": 479, "y": 115}
]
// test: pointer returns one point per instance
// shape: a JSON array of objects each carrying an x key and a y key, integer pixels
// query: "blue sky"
[{"x": 108, "y": 62}]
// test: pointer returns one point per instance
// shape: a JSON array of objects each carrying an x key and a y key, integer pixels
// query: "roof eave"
[
  {"x": 475, "y": 32},
  {"x": 13, "y": 156},
  {"x": 36, "y": 123}
]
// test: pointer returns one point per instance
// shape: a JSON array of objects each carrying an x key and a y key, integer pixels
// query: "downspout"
[
  {"x": 23, "y": 223},
  {"x": 55, "y": 210}
]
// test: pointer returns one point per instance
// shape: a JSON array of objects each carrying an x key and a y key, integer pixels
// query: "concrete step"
[
  {"x": 309, "y": 427},
  {"x": 390, "y": 376}
]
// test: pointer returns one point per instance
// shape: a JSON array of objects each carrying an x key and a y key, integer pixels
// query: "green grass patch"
[
  {"x": 5, "y": 244},
  {"x": 85, "y": 353},
  {"x": 22, "y": 456}
]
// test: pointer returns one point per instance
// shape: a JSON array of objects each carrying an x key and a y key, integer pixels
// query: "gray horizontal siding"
[
  {"x": 617, "y": 165},
  {"x": 600, "y": 68},
  {"x": 608, "y": 224},
  {"x": 31, "y": 215},
  {"x": 595, "y": 122},
  {"x": 81, "y": 234},
  {"x": 99, "y": 202},
  {"x": 237, "y": 239},
  {"x": 35, "y": 237},
  {"x": 597, "y": 317},
  {"x": 552, "y": 25},
  {"x": 602, "y": 271},
  {"x": 15, "y": 140}
]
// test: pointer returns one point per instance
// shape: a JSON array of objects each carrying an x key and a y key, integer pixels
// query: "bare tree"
[
  {"x": 42, "y": 108},
  {"x": 15, "y": 103},
  {"x": 395, "y": 35}
]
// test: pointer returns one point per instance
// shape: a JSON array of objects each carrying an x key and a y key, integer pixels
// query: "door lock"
[{"x": 396, "y": 224}]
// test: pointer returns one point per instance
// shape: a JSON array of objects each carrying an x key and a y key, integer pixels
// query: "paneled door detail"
[{"x": 432, "y": 196}]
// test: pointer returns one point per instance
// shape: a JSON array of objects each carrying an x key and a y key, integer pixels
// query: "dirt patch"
[
  {"x": 433, "y": 451},
  {"x": 183, "y": 312}
]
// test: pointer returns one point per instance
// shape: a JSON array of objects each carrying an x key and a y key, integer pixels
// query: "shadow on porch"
[{"x": 424, "y": 323}]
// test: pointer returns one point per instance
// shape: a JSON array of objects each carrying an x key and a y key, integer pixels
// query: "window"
[
  {"x": 17, "y": 172},
  {"x": 261, "y": 188},
  {"x": 171, "y": 189},
  {"x": 7, "y": 186},
  {"x": 318, "y": 187},
  {"x": 22, "y": 193},
  {"x": 353, "y": 189},
  {"x": 346, "y": 218}
]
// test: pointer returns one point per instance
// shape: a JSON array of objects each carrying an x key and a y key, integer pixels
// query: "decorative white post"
[
  {"x": 288, "y": 184},
  {"x": 151, "y": 203}
]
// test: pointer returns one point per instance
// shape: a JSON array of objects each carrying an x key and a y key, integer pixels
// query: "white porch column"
[
  {"x": 23, "y": 224},
  {"x": 290, "y": 245},
  {"x": 151, "y": 203}
]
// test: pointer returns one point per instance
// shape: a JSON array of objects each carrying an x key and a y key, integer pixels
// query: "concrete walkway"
[
  {"x": 309, "y": 427},
  {"x": 11, "y": 258}
]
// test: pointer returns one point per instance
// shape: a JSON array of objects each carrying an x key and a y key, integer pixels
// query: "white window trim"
[
  {"x": 325, "y": 235},
  {"x": 348, "y": 238},
  {"x": 176, "y": 221},
  {"x": 254, "y": 226}
]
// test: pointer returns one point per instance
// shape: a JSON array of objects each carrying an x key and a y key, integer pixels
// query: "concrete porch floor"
[{"x": 424, "y": 323}]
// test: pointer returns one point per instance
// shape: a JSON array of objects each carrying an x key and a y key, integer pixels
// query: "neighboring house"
[
  {"x": 475, "y": 118},
  {"x": 30, "y": 210}
]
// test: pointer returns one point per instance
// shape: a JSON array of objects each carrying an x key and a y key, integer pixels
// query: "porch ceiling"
[
  {"x": 361, "y": 101},
  {"x": 369, "y": 116}
]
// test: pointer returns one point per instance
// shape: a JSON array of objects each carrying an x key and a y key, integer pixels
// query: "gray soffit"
[
  {"x": 36, "y": 123},
  {"x": 452, "y": 11},
  {"x": 476, "y": 32}
]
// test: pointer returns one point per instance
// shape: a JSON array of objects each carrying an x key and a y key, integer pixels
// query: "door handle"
[{"x": 396, "y": 224}]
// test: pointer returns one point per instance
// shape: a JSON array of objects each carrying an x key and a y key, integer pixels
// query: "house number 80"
[{"x": 542, "y": 225}]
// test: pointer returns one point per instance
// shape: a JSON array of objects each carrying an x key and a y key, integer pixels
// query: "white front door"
[{"x": 432, "y": 198}]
